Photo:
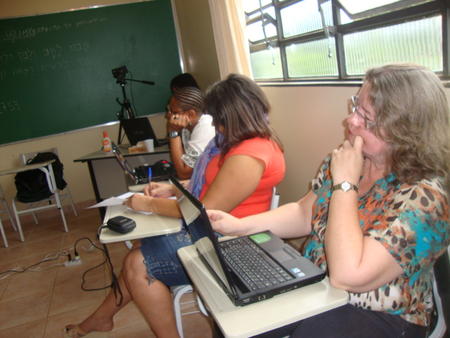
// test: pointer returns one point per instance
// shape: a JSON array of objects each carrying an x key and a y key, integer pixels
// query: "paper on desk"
[{"x": 117, "y": 200}]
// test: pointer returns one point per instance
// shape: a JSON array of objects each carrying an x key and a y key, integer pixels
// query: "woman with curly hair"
[{"x": 378, "y": 212}]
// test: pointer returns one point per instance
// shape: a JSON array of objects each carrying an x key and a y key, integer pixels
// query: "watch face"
[
  {"x": 346, "y": 186},
  {"x": 173, "y": 134}
]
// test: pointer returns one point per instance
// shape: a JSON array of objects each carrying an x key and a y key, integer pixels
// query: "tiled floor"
[{"x": 40, "y": 303}]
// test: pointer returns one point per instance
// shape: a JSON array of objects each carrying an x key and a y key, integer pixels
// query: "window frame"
[{"x": 396, "y": 16}]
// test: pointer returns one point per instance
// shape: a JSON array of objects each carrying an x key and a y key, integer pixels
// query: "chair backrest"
[
  {"x": 441, "y": 291},
  {"x": 45, "y": 155},
  {"x": 24, "y": 157},
  {"x": 275, "y": 201}
]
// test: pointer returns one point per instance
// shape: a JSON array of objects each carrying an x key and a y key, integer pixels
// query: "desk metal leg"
[{"x": 95, "y": 187}]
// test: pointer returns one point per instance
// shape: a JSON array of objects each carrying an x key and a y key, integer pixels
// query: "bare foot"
[{"x": 89, "y": 325}]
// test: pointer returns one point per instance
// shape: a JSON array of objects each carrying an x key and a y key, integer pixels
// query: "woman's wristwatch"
[
  {"x": 345, "y": 186},
  {"x": 173, "y": 134}
]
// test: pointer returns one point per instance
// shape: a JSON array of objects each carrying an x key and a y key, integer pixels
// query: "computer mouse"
[
  {"x": 121, "y": 224},
  {"x": 162, "y": 167}
]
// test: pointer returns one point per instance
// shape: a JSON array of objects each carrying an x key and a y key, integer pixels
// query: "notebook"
[
  {"x": 139, "y": 175},
  {"x": 139, "y": 129},
  {"x": 248, "y": 268}
]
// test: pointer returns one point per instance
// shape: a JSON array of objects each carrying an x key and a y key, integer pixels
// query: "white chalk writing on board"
[{"x": 10, "y": 106}]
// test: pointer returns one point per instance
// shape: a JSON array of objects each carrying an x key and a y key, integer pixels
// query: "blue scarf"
[{"x": 198, "y": 176}]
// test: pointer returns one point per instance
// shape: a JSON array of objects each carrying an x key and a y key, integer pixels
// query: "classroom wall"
[
  {"x": 309, "y": 121},
  {"x": 195, "y": 32}
]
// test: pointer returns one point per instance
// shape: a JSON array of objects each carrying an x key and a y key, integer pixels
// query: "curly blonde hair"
[{"x": 412, "y": 115}]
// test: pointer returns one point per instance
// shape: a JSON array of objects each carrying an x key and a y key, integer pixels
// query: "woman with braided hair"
[{"x": 188, "y": 128}]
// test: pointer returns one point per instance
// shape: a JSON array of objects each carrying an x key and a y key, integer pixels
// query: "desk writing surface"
[
  {"x": 246, "y": 321},
  {"x": 108, "y": 178},
  {"x": 26, "y": 167},
  {"x": 99, "y": 154},
  {"x": 146, "y": 225}
]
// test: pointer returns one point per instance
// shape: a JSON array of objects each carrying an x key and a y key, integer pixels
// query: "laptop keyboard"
[{"x": 256, "y": 268}]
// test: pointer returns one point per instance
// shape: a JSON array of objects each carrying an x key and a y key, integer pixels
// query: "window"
[{"x": 322, "y": 40}]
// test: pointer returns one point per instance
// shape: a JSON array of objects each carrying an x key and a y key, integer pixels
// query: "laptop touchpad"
[{"x": 281, "y": 255}]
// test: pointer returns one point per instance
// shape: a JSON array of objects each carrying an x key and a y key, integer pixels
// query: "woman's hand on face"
[
  {"x": 347, "y": 162},
  {"x": 156, "y": 189},
  {"x": 139, "y": 202},
  {"x": 176, "y": 122},
  {"x": 224, "y": 223}
]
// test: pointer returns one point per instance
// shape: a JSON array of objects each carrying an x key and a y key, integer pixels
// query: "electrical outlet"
[{"x": 76, "y": 261}]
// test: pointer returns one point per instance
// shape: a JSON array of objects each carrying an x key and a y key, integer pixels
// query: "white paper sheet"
[{"x": 115, "y": 200}]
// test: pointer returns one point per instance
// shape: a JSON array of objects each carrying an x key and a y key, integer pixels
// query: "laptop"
[
  {"x": 248, "y": 268},
  {"x": 139, "y": 129},
  {"x": 139, "y": 175}
]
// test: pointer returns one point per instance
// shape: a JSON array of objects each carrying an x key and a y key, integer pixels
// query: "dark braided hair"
[{"x": 189, "y": 98}]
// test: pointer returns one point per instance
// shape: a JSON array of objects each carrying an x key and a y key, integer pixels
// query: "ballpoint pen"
[{"x": 149, "y": 176}]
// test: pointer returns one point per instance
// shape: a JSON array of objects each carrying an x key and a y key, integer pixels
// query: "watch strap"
[{"x": 345, "y": 186}]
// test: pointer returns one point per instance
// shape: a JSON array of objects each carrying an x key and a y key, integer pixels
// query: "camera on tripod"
[{"x": 119, "y": 74}]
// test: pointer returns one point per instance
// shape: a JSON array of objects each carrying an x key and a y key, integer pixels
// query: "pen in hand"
[{"x": 149, "y": 176}]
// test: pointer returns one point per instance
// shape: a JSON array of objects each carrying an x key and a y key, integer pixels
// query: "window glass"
[
  {"x": 311, "y": 59},
  {"x": 251, "y": 5},
  {"x": 304, "y": 17},
  {"x": 364, "y": 9},
  {"x": 266, "y": 64},
  {"x": 368, "y": 33},
  {"x": 418, "y": 41},
  {"x": 255, "y": 31}
]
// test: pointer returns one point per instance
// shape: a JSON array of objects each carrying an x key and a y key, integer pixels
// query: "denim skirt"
[{"x": 161, "y": 259}]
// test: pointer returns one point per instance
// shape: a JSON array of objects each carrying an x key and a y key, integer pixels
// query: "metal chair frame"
[
  {"x": 53, "y": 201},
  {"x": 63, "y": 193}
]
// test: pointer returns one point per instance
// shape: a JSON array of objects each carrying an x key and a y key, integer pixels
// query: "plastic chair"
[
  {"x": 275, "y": 201},
  {"x": 441, "y": 295},
  {"x": 64, "y": 193},
  {"x": 5, "y": 210},
  {"x": 2, "y": 231},
  {"x": 179, "y": 290},
  {"x": 53, "y": 201}
]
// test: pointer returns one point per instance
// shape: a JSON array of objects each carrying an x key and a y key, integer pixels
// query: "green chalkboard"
[{"x": 55, "y": 69}]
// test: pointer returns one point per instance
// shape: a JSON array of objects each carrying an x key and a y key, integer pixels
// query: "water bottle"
[{"x": 106, "y": 142}]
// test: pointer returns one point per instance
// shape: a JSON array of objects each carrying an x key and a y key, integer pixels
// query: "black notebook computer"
[
  {"x": 139, "y": 175},
  {"x": 248, "y": 268},
  {"x": 139, "y": 129}
]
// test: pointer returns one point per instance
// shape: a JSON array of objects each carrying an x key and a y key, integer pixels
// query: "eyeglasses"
[
  {"x": 174, "y": 112},
  {"x": 354, "y": 107}
]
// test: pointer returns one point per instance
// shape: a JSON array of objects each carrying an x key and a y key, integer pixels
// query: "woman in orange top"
[{"x": 236, "y": 173}]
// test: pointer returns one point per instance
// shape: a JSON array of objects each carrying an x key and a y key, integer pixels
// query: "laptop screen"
[
  {"x": 202, "y": 234},
  {"x": 139, "y": 129}
]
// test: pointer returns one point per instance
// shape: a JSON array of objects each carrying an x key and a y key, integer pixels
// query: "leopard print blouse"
[{"x": 410, "y": 221}]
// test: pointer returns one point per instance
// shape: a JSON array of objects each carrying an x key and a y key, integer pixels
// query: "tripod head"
[
  {"x": 119, "y": 74},
  {"x": 126, "y": 111}
]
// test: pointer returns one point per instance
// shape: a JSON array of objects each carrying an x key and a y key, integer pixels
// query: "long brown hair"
[
  {"x": 412, "y": 115},
  {"x": 240, "y": 107}
]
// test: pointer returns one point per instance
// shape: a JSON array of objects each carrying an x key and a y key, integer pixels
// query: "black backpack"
[{"x": 32, "y": 184}]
